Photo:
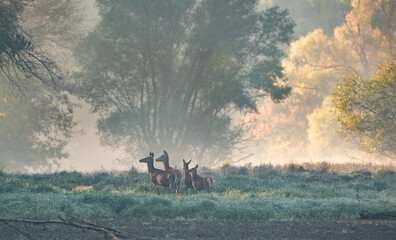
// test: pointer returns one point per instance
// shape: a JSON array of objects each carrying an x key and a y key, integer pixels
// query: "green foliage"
[
  {"x": 309, "y": 194},
  {"x": 169, "y": 74},
  {"x": 366, "y": 110}
]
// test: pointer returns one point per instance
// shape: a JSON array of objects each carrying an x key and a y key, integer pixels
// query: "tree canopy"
[
  {"x": 173, "y": 74},
  {"x": 366, "y": 110}
]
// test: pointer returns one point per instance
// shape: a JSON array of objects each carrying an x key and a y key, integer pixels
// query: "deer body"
[
  {"x": 200, "y": 183},
  {"x": 176, "y": 173},
  {"x": 157, "y": 176},
  {"x": 187, "y": 176}
]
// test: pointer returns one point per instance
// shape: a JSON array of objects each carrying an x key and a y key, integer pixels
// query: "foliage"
[
  {"x": 366, "y": 110},
  {"x": 307, "y": 194},
  {"x": 171, "y": 74}
]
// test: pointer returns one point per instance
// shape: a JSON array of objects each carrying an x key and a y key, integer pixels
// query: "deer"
[
  {"x": 200, "y": 183},
  {"x": 187, "y": 176},
  {"x": 177, "y": 174},
  {"x": 157, "y": 176}
]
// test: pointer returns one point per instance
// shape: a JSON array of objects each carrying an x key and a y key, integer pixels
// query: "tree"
[
  {"x": 366, "y": 110},
  {"x": 20, "y": 60},
  {"x": 171, "y": 74},
  {"x": 34, "y": 130},
  {"x": 36, "y": 119}
]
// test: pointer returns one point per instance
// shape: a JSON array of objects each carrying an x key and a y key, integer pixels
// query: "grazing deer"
[
  {"x": 200, "y": 183},
  {"x": 157, "y": 176},
  {"x": 165, "y": 160},
  {"x": 187, "y": 176}
]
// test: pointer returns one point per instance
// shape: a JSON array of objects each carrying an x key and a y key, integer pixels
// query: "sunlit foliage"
[
  {"x": 366, "y": 110},
  {"x": 316, "y": 61}
]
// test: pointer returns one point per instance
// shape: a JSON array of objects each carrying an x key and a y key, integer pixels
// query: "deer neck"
[
  {"x": 194, "y": 175},
  {"x": 166, "y": 165},
  {"x": 150, "y": 166}
]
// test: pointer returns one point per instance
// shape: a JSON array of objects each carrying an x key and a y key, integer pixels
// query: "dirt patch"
[{"x": 142, "y": 228}]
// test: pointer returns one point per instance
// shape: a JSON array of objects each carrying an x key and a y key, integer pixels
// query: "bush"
[
  {"x": 264, "y": 171},
  {"x": 361, "y": 174}
]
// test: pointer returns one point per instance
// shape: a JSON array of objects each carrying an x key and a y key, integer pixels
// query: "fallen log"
[{"x": 378, "y": 215}]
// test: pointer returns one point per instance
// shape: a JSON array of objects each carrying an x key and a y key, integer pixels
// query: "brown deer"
[
  {"x": 200, "y": 183},
  {"x": 165, "y": 160},
  {"x": 187, "y": 176},
  {"x": 157, "y": 176}
]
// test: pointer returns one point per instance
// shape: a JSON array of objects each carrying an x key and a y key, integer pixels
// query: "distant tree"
[
  {"x": 366, "y": 110},
  {"x": 170, "y": 74},
  {"x": 57, "y": 27},
  {"x": 314, "y": 14},
  {"x": 385, "y": 20},
  {"x": 34, "y": 130}
]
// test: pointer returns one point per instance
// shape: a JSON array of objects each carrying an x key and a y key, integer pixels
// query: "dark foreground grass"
[{"x": 253, "y": 193}]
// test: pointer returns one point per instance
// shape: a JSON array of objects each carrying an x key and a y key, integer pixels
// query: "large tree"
[
  {"x": 366, "y": 110},
  {"x": 173, "y": 74}
]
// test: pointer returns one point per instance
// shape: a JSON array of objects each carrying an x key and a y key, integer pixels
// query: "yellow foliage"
[
  {"x": 82, "y": 189},
  {"x": 226, "y": 163}
]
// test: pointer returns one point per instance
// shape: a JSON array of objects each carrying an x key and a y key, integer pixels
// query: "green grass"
[{"x": 256, "y": 193}]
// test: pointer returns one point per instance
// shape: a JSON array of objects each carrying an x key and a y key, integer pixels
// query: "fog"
[{"x": 301, "y": 128}]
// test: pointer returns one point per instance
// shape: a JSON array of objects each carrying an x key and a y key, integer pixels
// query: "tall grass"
[{"x": 261, "y": 192}]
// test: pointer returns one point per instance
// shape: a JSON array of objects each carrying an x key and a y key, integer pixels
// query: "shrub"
[
  {"x": 361, "y": 174},
  {"x": 264, "y": 171}
]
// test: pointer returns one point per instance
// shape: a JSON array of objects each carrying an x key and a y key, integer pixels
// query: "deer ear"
[
  {"x": 189, "y": 161},
  {"x": 184, "y": 161},
  {"x": 196, "y": 166}
]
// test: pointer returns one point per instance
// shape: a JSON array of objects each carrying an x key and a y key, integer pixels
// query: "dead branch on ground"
[{"x": 75, "y": 222}]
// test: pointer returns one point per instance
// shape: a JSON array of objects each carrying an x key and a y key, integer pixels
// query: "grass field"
[{"x": 312, "y": 191}]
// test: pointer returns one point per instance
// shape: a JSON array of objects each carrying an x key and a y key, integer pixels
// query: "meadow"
[{"x": 310, "y": 191}]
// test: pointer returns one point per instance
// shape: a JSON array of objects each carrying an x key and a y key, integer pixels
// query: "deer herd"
[{"x": 170, "y": 177}]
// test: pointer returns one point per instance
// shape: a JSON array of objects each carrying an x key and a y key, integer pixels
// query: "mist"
[{"x": 299, "y": 128}]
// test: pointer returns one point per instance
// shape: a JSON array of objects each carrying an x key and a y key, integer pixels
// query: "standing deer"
[
  {"x": 200, "y": 183},
  {"x": 187, "y": 176},
  {"x": 165, "y": 160},
  {"x": 157, "y": 176}
]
